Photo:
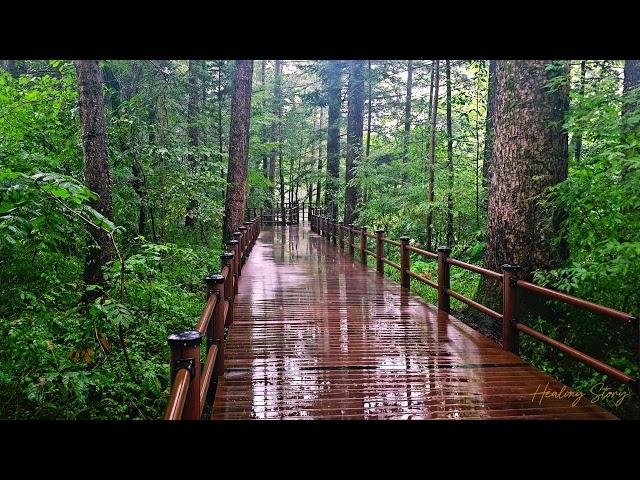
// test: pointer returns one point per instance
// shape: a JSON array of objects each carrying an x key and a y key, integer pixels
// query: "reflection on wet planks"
[{"x": 318, "y": 336}]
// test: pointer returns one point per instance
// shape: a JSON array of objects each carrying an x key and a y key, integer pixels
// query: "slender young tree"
[
  {"x": 275, "y": 128},
  {"x": 490, "y": 120},
  {"x": 449, "y": 157},
  {"x": 355, "y": 117},
  {"x": 320, "y": 167},
  {"x": 631, "y": 81},
  {"x": 96, "y": 165},
  {"x": 333, "y": 74},
  {"x": 236, "y": 197},
  {"x": 530, "y": 154},
  {"x": 278, "y": 108},
  {"x": 194, "y": 135},
  {"x": 432, "y": 155},
  {"x": 578, "y": 144},
  {"x": 407, "y": 120}
]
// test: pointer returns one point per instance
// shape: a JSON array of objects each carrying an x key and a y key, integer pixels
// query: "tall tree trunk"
[
  {"x": 264, "y": 132},
  {"x": 194, "y": 136},
  {"x": 96, "y": 165},
  {"x": 355, "y": 117},
  {"x": 449, "y": 157},
  {"x": 432, "y": 155},
  {"x": 162, "y": 120},
  {"x": 365, "y": 193},
  {"x": 489, "y": 123},
  {"x": 630, "y": 82},
  {"x": 275, "y": 126},
  {"x": 477, "y": 172},
  {"x": 407, "y": 120},
  {"x": 530, "y": 154},
  {"x": 139, "y": 184},
  {"x": 333, "y": 74},
  {"x": 319, "y": 184},
  {"x": 236, "y": 198},
  {"x": 220, "y": 135},
  {"x": 578, "y": 145},
  {"x": 277, "y": 96}
]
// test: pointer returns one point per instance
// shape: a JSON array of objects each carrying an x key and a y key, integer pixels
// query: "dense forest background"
[{"x": 423, "y": 148}]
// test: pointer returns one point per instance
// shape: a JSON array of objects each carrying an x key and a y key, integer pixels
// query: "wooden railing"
[
  {"x": 193, "y": 382},
  {"x": 337, "y": 231},
  {"x": 274, "y": 214}
]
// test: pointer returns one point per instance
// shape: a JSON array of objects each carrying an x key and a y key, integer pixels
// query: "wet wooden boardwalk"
[{"x": 317, "y": 336}]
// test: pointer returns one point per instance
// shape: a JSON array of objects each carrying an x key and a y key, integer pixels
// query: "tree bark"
[
  {"x": 449, "y": 157},
  {"x": 194, "y": 136},
  {"x": 630, "y": 83},
  {"x": 530, "y": 154},
  {"x": 432, "y": 155},
  {"x": 236, "y": 197},
  {"x": 96, "y": 165},
  {"x": 333, "y": 75},
  {"x": 355, "y": 118},
  {"x": 489, "y": 123}
]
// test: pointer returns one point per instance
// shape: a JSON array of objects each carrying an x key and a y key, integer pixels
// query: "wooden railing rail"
[
  {"x": 193, "y": 382},
  {"x": 510, "y": 283}
]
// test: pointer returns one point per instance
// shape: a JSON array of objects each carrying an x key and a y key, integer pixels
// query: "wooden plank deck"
[{"x": 318, "y": 336}]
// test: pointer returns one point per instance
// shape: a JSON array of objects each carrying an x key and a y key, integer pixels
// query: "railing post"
[
  {"x": 363, "y": 245},
  {"x": 226, "y": 258},
  {"x": 405, "y": 259},
  {"x": 215, "y": 331},
  {"x": 379, "y": 251},
  {"x": 334, "y": 231},
  {"x": 351, "y": 240},
  {"x": 249, "y": 242},
  {"x": 185, "y": 353},
  {"x": 235, "y": 247},
  {"x": 238, "y": 251},
  {"x": 509, "y": 307},
  {"x": 443, "y": 279},
  {"x": 243, "y": 244},
  {"x": 341, "y": 235}
]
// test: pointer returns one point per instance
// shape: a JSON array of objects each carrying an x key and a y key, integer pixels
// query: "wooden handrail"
[
  {"x": 578, "y": 302},
  {"x": 193, "y": 383},
  {"x": 510, "y": 284}
]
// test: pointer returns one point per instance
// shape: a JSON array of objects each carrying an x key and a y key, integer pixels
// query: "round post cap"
[
  {"x": 227, "y": 255},
  {"x": 213, "y": 279},
  {"x": 404, "y": 238},
  {"x": 188, "y": 338},
  {"x": 511, "y": 268},
  {"x": 380, "y": 231},
  {"x": 233, "y": 242},
  {"x": 237, "y": 234},
  {"x": 242, "y": 228},
  {"x": 444, "y": 249}
]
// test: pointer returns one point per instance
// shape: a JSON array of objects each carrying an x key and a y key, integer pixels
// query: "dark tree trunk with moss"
[
  {"x": 355, "y": 118},
  {"x": 236, "y": 197},
  {"x": 194, "y": 135},
  {"x": 631, "y": 81},
  {"x": 333, "y": 74},
  {"x": 96, "y": 164},
  {"x": 530, "y": 154}
]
